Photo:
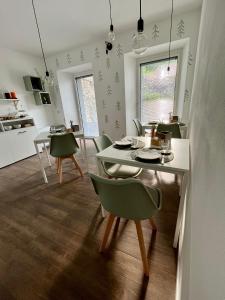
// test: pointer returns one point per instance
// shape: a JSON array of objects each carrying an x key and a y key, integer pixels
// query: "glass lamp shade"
[
  {"x": 111, "y": 34},
  {"x": 139, "y": 43},
  {"x": 48, "y": 81}
]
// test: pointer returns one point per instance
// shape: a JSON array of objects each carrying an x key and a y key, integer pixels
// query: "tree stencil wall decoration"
[
  {"x": 103, "y": 104},
  {"x": 119, "y": 51},
  {"x": 155, "y": 32},
  {"x": 118, "y": 105},
  {"x": 81, "y": 55},
  {"x": 180, "y": 29},
  {"x": 51, "y": 75},
  {"x": 68, "y": 58},
  {"x": 186, "y": 95},
  {"x": 109, "y": 90},
  {"x": 108, "y": 64},
  {"x": 106, "y": 119},
  {"x": 190, "y": 59},
  {"x": 117, "y": 78},
  {"x": 117, "y": 124},
  {"x": 100, "y": 76},
  {"x": 97, "y": 53}
]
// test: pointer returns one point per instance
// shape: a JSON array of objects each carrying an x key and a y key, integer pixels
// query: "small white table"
[
  {"x": 44, "y": 138},
  {"x": 179, "y": 165}
]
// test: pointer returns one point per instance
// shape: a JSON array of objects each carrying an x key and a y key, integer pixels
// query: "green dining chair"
[
  {"x": 110, "y": 169},
  {"x": 174, "y": 128},
  {"x": 62, "y": 147},
  {"x": 129, "y": 199},
  {"x": 138, "y": 126}
]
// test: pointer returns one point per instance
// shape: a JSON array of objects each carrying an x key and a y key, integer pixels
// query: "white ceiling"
[{"x": 65, "y": 24}]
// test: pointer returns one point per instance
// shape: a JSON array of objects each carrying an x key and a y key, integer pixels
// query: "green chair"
[
  {"x": 174, "y": 128},
  {"x": 129, "y": 199},
  {"x": 138, "y": 126},
  {"x": 114, "y": 170},
  {"x": 62, "y": 147}
]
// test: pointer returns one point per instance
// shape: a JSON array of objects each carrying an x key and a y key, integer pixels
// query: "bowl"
[
  {"x": 17, "y": 126},
  {"x": 8, "y": 127}
]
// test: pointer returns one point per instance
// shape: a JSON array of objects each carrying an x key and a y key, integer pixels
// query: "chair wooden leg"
[
  {"x": 142, "y": 248},
  {"x": 60, "y": 170},
  {"x": 77, "y": 166},
  {"x": 57, "y": 164},
  {"x": 107, "y": 231},
  {"x": 153, "y": 225}
]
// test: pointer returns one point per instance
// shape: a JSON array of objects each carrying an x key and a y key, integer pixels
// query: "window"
[
  {"x": 157, "y": 89},
  {"x": 87, "y": 104}
]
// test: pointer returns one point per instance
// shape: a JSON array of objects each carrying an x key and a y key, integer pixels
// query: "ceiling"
[{"x": 65, "y": 24}]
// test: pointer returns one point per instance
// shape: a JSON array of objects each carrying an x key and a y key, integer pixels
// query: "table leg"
[
  {"x": 100, "y": 173},
  {"x": 41, "y": 165},
  {"x": 183, "y": 191},
  {"x": 46, "y": 151}
]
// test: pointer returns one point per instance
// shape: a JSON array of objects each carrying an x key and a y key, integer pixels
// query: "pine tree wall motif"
[
  {"x": 186, "y": 95},
  {"x": 103, "y": 104},
  {"x": 51, "y": 75},
  {"x": 109, "y": 90},
  {"x": 117, "y": 78},
  {"x": 81, "y": 55},
  {"x": 68, "y": 58},
  {"x": 106, "y": 119},
  {"x": 57, "y": 62},
  {"x": 155, "y": 32},
  {"x": 119, "y": 51},
  {"x": 190, "y": 59},
  {"x": 117, "y": 124},
  {"x": 108, "y": 64},
  {"x": 118, "y": 106},
  {"x": 100, "y": 76},
  {"x": 97, "y": 53},
  {"x": 180, "y": 29}
]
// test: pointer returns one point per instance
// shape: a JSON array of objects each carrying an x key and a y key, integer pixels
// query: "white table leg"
[
  {"x": 183, "y": 191},
  {"x": 41, "y": 165},
  {"x": 85, "y": 153},
  {"x": 46, "y": 151}
]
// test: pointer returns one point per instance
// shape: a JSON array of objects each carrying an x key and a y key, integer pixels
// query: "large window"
[{"x": 157, "y": 89}]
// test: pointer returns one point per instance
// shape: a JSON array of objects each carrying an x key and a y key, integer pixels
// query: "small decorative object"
[
  {"x": 7, "y": 95},
  {"x": 155, "y": 32},
  {"x": 117, "y": 79},
  {"x": 74, "y": 127},
  {"x": 119, "y": 51},
  {"x": 180, "y": 29},
  {"x": 109, "y": 90},
  {"x": 13, "y": 95},
  {"x": 139, "y": 39}
]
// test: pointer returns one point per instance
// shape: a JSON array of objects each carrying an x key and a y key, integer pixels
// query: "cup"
[{"x": 13, "y": 95}]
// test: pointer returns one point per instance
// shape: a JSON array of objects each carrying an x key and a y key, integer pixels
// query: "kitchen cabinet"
[{"x": 6, "y": 155}]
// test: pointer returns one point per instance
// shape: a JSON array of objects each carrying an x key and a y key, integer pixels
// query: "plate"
[
  {"x": 123, "y": 143},
  {"x": 148, "y": 155}
]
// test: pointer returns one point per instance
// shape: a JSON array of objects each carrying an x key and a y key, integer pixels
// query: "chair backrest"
[
  {"x": 102, "y": 142},
  {"x": 125, "y": 198},
  {"x": 174, "y": 128},
  {"x": 138, "y": 126},
  {"x": 63, "y": 145}
]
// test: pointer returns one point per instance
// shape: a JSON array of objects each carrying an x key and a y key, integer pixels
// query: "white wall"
[
  {"x": 109, "y": 70},
  {"x": 202, "y": 252},
  {"x": 13, "y": 66}
]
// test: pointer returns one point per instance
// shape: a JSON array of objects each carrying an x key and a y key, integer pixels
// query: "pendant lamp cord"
[
  {"x": 171, "y": 27},
  {"x": 110, "y": 11},
  {"x": 140, "y": 9},
  {"x": 39, "y": 34}
]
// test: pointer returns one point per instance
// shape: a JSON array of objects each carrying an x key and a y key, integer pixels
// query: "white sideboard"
[{"x": 17, "y": 144}]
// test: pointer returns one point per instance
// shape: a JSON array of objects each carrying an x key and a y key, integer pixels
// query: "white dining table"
[
  {"x": 183, "y": 128},
  {"x": 179, "y": 165},
  {"x": 44, "y": 138}
]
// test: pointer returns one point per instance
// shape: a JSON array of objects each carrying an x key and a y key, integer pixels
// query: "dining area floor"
[{"x": 50, "y": 236}]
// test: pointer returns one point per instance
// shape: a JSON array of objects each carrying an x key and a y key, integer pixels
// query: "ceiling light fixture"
[
  {"x": 140, "y": 39},
  {"x": 171, "y": 27},
  {"x": 111, "y": 34},
  {"x": 47, "y": 80}
]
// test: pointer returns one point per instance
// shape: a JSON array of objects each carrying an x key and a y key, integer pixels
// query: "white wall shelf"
[{"x": 10, "y": 101}]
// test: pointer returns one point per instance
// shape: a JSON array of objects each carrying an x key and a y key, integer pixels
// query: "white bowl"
[{"x": 8, "y": 127}]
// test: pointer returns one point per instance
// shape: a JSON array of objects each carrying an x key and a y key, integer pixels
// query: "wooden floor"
[{"x": 50, "y": 235}]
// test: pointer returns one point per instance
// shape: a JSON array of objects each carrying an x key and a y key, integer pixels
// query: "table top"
[
  {"x": 179, "y": 147},
  {"x": 45, "y": 136}
]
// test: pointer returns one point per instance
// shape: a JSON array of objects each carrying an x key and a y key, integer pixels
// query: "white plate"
[
  {"x": 148, "y": 155},
  {"x": 123, "y": 143}
]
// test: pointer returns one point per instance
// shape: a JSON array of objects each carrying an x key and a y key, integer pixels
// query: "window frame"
[{"x": 156, "y": 58}]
